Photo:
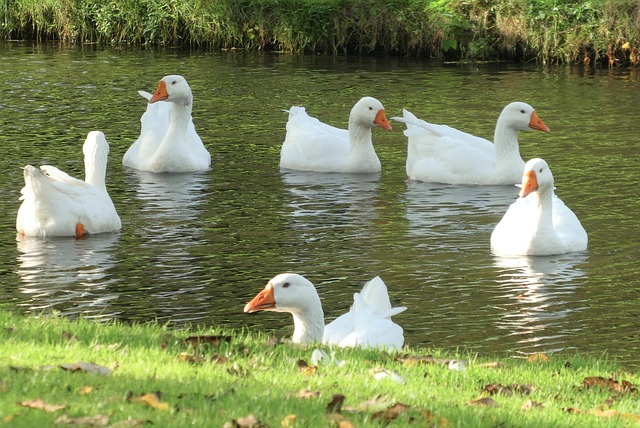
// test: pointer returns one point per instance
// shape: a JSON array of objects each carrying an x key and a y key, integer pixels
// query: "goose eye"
[
  {"x": 522, "y": 111},
  {"x": 174, "y": 82},
  {"x": 540, "y": 170},
  {"x": 370, "y": 108},
  {"x": 286, "y": 285}
]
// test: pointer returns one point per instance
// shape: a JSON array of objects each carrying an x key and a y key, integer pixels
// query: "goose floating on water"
[
  {"x": 168, "y": 140},
  {"x": 538, "y": 223},
  {"x": 439, "y": 153},
  {"x": 56, "y": 204},
  {"x": 311, "y": 145}
]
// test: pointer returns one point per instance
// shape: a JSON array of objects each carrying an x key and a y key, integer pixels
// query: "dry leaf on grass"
[
  {"x": 611, "y": 384},
  {"x": 305, "y": 393},
  {"x": 529, "y": 404},
  {"x": 90, "y": 368},
  {"x": 191, "y": 359},
  {"x": 151, "y": 399},
  {"x": 85, "y": 390},
  {"x": 376, "y": 403},
  {"x": 248, "y": 421},
  {"x": 207, "y": 340},
  {"x": 538, "y": 357},
  {"x": 498, "y": 388},
  {"x": 41, "y": 405},
  {"x": 335, "y": 406},
  {"x": 338, "y": 420},
  {"x": 387, "y": 415},
  {"x": 289, "y": 421},
  {"x": 86, "y": 421},
  {"x": 486, "y": 401}
]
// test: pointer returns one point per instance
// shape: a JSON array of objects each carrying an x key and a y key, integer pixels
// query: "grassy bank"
[
  {"x": 552, "y": 31},
  {"x": 54, "y": 371}
]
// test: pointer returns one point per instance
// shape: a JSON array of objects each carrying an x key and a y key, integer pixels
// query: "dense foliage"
[{"x": 558, "y": 31}]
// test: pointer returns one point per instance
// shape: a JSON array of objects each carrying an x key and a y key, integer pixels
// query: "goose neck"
[{"x": 309, "y": 325}]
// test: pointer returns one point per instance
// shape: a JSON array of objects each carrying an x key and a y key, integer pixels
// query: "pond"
[{"x": 194, "y": 248}]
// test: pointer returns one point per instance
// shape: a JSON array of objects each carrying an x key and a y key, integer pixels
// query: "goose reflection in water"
[
  {"x": 453, "y": 212},
  {"x": 538, "y": 299},
  {"x": 324, "y": 203},
  {"x": 68, "y": 275},
  {"x": 170, "y": 223}
]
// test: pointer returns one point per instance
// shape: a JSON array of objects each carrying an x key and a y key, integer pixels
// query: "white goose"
[
  {"x": 538, "y": 223},
  {"x": 168, "y": 140},
  {"x": 311, "y": 145},
  {"x": 442, "y": 154},
  {"x": 56, "y": 204},
  {"x": 367, "y": 324}
]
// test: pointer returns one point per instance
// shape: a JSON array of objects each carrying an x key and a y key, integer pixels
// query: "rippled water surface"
[{"x": 194, "y": 248}]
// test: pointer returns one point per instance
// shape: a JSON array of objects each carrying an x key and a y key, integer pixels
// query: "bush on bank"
[{"x": 551, "y": 31}]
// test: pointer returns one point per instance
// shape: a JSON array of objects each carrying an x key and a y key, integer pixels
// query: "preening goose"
[
  {"x": 439, "y": 153},
  {"x": 311, "y": 145},
  {"x": 56, "y": 204},
  {"x": 168, "y": 140},
  {"x": 367, "y": 324},
  {"x": 538, "y": 223}
]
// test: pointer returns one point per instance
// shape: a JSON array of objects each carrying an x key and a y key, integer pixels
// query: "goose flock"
[{"x": 538, "y": 223}]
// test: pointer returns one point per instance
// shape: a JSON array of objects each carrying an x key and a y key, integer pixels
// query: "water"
[{"x": 194, "y": 248}]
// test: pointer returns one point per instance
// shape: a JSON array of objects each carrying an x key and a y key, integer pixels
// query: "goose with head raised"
[
  {"x": 367, "y": 324},
  {"x": 538, "y": 223},
  {"x": 168, "y": 140},
  {"x": 311, "y": 145},
  {"x": 56, "y": 204},
  {"x": 439, "y": 153}
]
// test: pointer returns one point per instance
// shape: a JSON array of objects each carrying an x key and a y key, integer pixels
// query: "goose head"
[
  {"x": 369, "y": 112},
  {"x": 537, "y": 176},
  {"x": 172, "y": 88},
  {"x": 522, "y": 117},
  {"x": 287, "y": 292},
  {"x": 293, "y": 293}
]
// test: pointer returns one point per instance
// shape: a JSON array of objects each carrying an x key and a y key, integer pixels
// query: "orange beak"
[
  {"x": 529, "y": 184},
  {"x": 382, "y": 121},
  {"x": 161, "y": 93},
  {"x": 536, "y": 123},
  {"x": 263, "y": 301}
]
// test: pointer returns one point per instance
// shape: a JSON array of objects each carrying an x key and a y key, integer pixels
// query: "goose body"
[
  {"x": 168, "y": 140},
  {"x": 439, "y": 153},
  {"x": 538, "y": 223},
  {"x": 367, "y": 324},
  {"x": 56, "y": 204},
  {"x": 311, "y": 145}
]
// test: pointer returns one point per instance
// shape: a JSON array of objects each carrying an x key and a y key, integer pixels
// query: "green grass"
[
  {"x": 547, "y": 31},
  {"x": 212, "y": 384}
]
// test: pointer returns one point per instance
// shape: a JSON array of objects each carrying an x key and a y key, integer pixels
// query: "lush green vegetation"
[
  {"x": 559, "y": 31},
  {"x": 82, "y": 373}
]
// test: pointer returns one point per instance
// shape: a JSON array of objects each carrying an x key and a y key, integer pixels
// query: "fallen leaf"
[
  {"x": 87, "y": 421},
  {"x": 391, "y": 413},
  {"x": 486, "y": 401},
  {"x": 90, "y": 368},
  {"x": 305, "y": 393},
  {"x": 439, "y": 422},
  {"x": 219, "y": 359},
  {"x": 611, "y": 384},
  {"x": 376, "y": 403},
  {"x": 248, "y": 421},
  {"x": 127, "y": 423},
  {"x": 41, "y": 405},
  {"x": 538, "y": 357},
  {"x": 305, "y": 368},
  {"x": 572, "y": 410},
  {"x": 207, "y": 340},
  {"x": 289, "y": 421},
  {"x": 191, "y": 359},
  {"x": 85, "y": 390},
  {"x": 151, "y": 399},
  {"x": 302, "y": 364},
  {"x": 529, "y": 404},
  {"x": 335, "y": 406},
  {"x": 498, "y": 388},
  {"x": 338, "y": 420},
  {"x": 412, "y": 360},
  {"x": 492, "y": 365},
  {"x": 70, "y": 337}
]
